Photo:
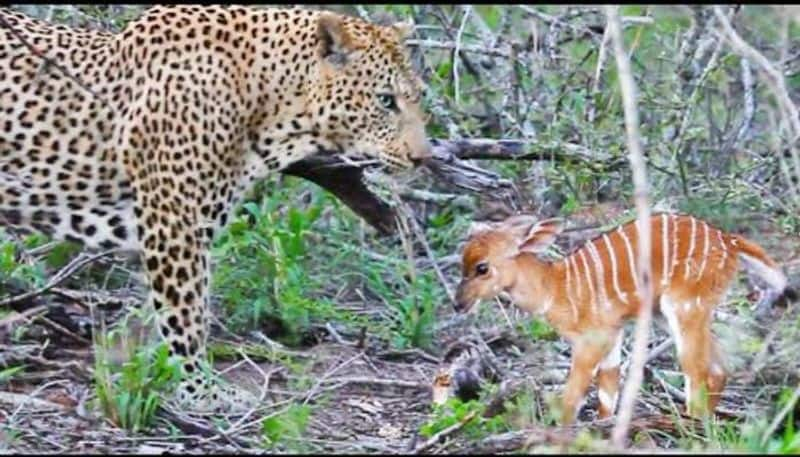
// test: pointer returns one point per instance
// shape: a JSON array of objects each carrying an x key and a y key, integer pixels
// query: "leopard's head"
[{"x": 367, "y": 101}]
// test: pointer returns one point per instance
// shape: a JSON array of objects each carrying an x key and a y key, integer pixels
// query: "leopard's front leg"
[{"x": 175, "y": 255}]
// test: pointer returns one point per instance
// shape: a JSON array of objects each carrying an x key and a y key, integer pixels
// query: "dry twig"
[
  {"x": 71, "y": 268},
  {"x": 446, "y": 432},
  {"x": 645, "y": 292}
]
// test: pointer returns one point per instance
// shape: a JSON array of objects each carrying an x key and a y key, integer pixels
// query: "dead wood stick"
[
  {"x": 456, "y": 200},
  {"x": 7, "y": 321},
  {"x": 29, "y": 398},
  {"x": 420, "y": 234},
  {"x": 400, "y": 353},
  {"x": 774, "y": 77},
  {"x": 20, "y": 399},
  {"x": 346, "y": 182},
  {"x": 64, "y": 331},
  {"x": 380, "y": 382},
  {"x": 513, "y": 149},
  {"x": 645, "y": 289},
  {"x": 71, "y": 268},
  {"x": 446, "y": 432},
  {"x": 193, "y": 427}
]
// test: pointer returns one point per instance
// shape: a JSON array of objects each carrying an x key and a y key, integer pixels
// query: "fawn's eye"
[
  {"x": 481, "y": 269},
  {"x": 387, "y": 101}
]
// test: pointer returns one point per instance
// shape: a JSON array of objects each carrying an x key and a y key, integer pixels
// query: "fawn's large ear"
[
  {"x": 519, "y": 226},
  {"x": 477, "y": 227},
  {"x": 404, "y": 29},
  {"x": 336, "y": 44},
  {"x": 541, "y": 235}
]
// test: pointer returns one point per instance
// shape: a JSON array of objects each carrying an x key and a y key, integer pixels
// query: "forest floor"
[{"x": 355, "y": 394}]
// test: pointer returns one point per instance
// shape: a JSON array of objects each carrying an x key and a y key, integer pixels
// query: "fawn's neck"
[{"x": 532, "y": 283}]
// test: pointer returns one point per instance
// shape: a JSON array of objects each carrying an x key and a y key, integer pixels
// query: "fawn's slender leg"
[
  {"x": 587, "y": 352},
  {"x": 608, "y": 378},
  {"x": 716, "y": 376},
  {"x": 690, "y": 324}
]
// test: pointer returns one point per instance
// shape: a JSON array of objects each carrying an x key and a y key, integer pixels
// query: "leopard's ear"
[{"x": 335, "y": 42}]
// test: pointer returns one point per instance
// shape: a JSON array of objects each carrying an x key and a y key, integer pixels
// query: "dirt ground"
[{"x": 367, "y": 398}]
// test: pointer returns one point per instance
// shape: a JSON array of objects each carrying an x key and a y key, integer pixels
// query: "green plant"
[
  {"x": 129, "y": 394},
  {"x": 13, "y": 271},
  {"x": 287, "y": 428},
  {"x": 538, "y": 329},
  {"x": 412, "y": 305},
  {"x": 7, "y": 373},
  {"x": 454, "y": 411},
  {"x": 786, "y": 441},
  {"x": 262, "y": 272}
]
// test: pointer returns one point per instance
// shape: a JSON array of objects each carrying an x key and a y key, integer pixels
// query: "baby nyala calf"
[{"x": 588, "y": 295}]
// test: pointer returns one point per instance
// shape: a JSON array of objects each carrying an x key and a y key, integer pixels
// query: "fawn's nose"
[{"x": 461, "y": 303}]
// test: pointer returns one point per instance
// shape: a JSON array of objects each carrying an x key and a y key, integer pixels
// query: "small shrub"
[
  {"x": 129, "y": 394},
  {"x": 262, "y": 273},
  {"x": 12, "y": 271},
  {"x": 454, "y": 411},
  {"x": 287, "y": 428},
  {"x": 412, "y": 305}
]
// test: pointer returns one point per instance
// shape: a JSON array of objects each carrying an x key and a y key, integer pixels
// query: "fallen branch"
[
  {"x": 456, "y": 200},
  {"x": 437, "y": 437},
  {"x": 481, "y": 148},
  {"x": 195, "y": 427},
  {"x": 407, "y": 352},
  {"x": 774, "y": 77},
  {"x": 19, "y": 400},
  {"x": 447, "y": 164},
  {"x": 537, "y": 436},
  {"x": 71, "y": 268},
  {"x": 346, "y": 180},
  {"x": 346, "y": 183},
  {"x": 380, "y": 382}
]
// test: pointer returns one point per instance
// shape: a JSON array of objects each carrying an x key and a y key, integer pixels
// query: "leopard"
[{"x": 146, "y": 139}]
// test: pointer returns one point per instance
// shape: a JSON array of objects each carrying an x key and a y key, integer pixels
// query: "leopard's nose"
[{"x": 421, "y": 152}]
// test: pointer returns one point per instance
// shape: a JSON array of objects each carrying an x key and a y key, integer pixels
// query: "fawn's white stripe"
[
  {"x": 676, "y": 252},
  {"x": 724, "y": 249},
  {"x": 691, "y": 248},
  {"x": 600, "y": 272},
  {"x": 664, "y": 249},
  {"x": 588, "y": 279},
  {"x": 613, "y": 256},
  {"x": 578, "y": 286},
  {"x": 568, "y": 262},
  {"x": 706, "y": 246},
  {"x": 630, "y": 256}
]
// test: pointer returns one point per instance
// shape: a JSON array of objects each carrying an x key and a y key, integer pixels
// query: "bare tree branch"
[
  {"x": 645, "y": 292},
  {"x": 777, "y": 84},
  {"x": 774, "y": 77}
]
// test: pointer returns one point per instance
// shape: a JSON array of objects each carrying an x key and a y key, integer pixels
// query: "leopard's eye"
[
  {"x": 481, "y": 269},
  {"x": 387, "y": 101}
]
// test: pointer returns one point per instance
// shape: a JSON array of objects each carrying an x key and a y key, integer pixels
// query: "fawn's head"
[{"x": 488, "y": 263}]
